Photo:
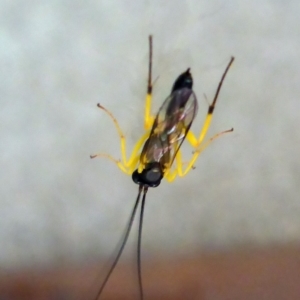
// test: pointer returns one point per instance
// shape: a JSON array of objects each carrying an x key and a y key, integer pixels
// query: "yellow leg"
[
  {"x": 125, "y": 165},
  {"x": 120, "y": 133},
  {"x": 129, "y": 165},
  {"x": 171, "y": 175},
  {"x": 196, "y": 154},
  {"x": 149, "y": 119},
  {"x": 191, "y": 138},
  {"x": 135, "y": 152},
  {"x": 134, "y": 165},
  {"x": 195, "y": 142},
  {"x": 117, "y": 162}
]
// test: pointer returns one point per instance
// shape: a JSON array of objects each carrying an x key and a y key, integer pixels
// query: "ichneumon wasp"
[{"x": 158, "y": 149}]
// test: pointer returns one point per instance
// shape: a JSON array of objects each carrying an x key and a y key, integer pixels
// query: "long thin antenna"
[
  {"x": 139, "y": 264},
  {"x": 127, "y": 231}
]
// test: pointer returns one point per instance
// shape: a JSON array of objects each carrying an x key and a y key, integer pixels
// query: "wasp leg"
[
  {"x": 196, "y": 154},
  {"x": 135, "y": 154},
  {"x": 149, "y": 119},
  {"x": 126, "y": 169},
  {"x": 132, "y": 163},
  {"x": 190, "y": 136},
  {"x": 125, "y": 165},
  {"x": 170, "y": 175},
  {"x": 117, "y": 162},
  {"x": 120, "y": 133}
]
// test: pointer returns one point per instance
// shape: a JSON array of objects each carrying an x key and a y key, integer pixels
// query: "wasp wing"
[{"x": 170, "y": 128}]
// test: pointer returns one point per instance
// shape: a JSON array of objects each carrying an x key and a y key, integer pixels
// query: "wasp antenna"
[
  {"x": 123, "y": 243},
  {"x": 139, "y": 264}
]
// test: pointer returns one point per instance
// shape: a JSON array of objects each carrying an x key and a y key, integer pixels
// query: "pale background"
[{"x": 59, "y": 58}]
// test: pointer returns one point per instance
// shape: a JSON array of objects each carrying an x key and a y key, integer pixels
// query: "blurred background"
[{"x": 230, "y": 229}]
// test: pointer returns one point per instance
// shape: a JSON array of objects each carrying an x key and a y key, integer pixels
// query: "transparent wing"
[{"x": 170, "y": 127}]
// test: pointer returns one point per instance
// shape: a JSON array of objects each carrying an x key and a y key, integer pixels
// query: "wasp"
[{"x": 157, "y": 153}]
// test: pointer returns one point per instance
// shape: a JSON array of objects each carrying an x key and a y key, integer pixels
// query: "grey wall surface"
[{"x": 60, "y": 58}]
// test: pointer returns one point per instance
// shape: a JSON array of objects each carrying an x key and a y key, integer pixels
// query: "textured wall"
[{"x": 59, "y": 58}]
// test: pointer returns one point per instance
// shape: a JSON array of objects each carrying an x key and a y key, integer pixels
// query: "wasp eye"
[{"x": 152, "y": 175}]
